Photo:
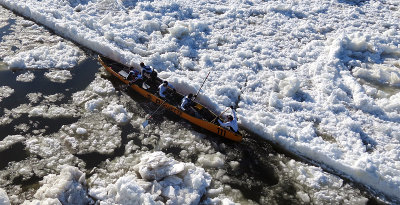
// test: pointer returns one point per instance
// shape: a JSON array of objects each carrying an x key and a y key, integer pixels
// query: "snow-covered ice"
[
  {"x": 4, "y": 198},
  {"x": 86, "y": 136},
  {"x": 26, "y": 77},
  {"x": 317, "y": 185},
  {"x": 155, "y": 179},
  {"x": 117, "y": 112},
  {"x": 10, "y": 140},
  {"x": 211, "y": 160},
  {"x": 5, "y": 92},
  {"x": 59, "y": 56},
  {"x": 304, "y": 75},
  {"x": 59, "y": 76},
  {"x": 69, "y": 187}
]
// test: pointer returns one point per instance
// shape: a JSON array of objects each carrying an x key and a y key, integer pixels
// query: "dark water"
[{"x": 82, "y": 74}]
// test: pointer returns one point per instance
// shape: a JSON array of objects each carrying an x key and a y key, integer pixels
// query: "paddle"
[
  {"x": 145, "y": 86},
  {"x": 219, "y": 115},
  {"x": 146, "y": 122},
  {"x": 201, "y": 86}
]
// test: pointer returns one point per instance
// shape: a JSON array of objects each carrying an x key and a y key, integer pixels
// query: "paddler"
[{"x": 231, "y": 123}]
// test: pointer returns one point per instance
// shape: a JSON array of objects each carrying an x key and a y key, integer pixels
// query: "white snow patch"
[
  {"x": 81, "y": 131},
  {"x": 59, "y": 76},
  {"x": 59, "y": 56},
  {"x": 94, "y": 104},
  {"x": 216, "y": 160},
  {"x": 4, "y": 198},
  {"x": 26, "y": 77},
  {"x": 160, "y": 177},
  {"x": 91, "y": 134},
  {"x": 287, "y": 65},
  {"x": 69, "y": 187},
  {"x": 8, "y": 141},
  {"x": 117, "y": 112},
  {"x": 5, "y": 92}
]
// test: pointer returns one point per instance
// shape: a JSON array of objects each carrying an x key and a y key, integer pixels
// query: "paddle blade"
[
  {"x": 145, "y": 86},
  {"x": 145, "y": 123}
]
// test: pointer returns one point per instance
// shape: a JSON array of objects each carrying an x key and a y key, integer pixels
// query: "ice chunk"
[
  {"x": 159, "y": 178},
  {"x": 68, "y": 187},
  {"x": 60, "y": 56},
  {"x": 216, "y": 160},
  {"x": 10, "y": 140},
  {"x": 117, "y": 112},
  {"x": 94, "y": 104},
  {"x": 59, "y": 76},
  {"x": 26, "y": 77},
  {"x": 91, "y": 134},
  {"x": 81, "y": 131},
  {"x": 156, "y": 166},
  {"x": 4, "y": 198},
  {"x": 5, "y": 92}
]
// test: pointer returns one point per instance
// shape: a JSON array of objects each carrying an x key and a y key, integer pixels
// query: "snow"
[
  {"x": 81, "y": 131},
  {"x": 98, "y": 98},
  {"x": 69, "y": 187},
  {"x": 211, "y": 160},
  {"x": 47, "y": 111},
  {"x": 59, "y": 56},
  {"x": 91, "y": 134},
  {"x": 317, "y": 184},
  {"x": 34, "y": 97},
  {"x": 5, "y": 92},
  {"x": 117, "y": 112},
  {"x": 59, "y": 76},
  {"x": 157, "y": 178},
  {"x": 4, "y": 198},
  {"x": 8, "y": 141},
  {"x": 26, "y": 77},
  {"x": 304, "y": 75}
]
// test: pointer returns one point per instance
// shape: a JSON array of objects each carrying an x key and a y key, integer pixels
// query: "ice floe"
[
  {"x": 69, "y": 187},
  {"x": 59, "y": 56},
  {"x": 59, "y": 76},
  {"x": 4, "y": 198},
  {"x": 26, "y": 77},
  {"x": 5, "y": 92},
  {"x": 10, "y": 140},
  {"x": 156, "y": 179}
]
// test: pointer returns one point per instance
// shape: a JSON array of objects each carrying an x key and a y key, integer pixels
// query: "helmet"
[
  {"x": 141, "y": 64},
  {"x": 165, "y": 82},
  {"x": 230, "y": 118},
  {"x": 190, "y": 95}
]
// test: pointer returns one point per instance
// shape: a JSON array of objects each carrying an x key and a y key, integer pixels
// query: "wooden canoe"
[{"x": 204, "y": 116}]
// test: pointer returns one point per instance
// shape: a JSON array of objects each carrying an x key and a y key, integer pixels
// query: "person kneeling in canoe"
[
  {"x": 148, "y": 72},
  {"x": 231, "y": 123},
  {"x": 164, "y": 91},
  {"x": 187, "y": 103},
  {"x": 134, "y": 77},
  {"x": 146, "y": 69}
]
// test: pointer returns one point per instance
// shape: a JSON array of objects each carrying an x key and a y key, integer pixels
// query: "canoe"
[{"x": 203, "y": 118}]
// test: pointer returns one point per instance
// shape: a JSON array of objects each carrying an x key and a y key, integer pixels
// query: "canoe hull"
[{"x": 221, "y": 131}]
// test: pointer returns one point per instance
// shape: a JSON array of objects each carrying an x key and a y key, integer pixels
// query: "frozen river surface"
[{"x": 70, "y": 134}]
